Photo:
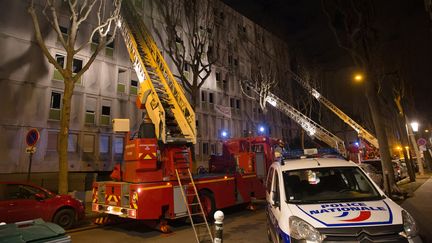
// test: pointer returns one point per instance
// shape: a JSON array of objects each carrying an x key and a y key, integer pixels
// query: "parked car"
[
  {"x": 22, "y": 201},
  {"x": 399, "y": 172},
  {"x": 373, "y": 173}
]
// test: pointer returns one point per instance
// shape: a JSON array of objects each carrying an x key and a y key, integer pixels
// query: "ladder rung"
[
  {"x": 193, "y": 204},
  {"x": 200, "y": 224},
  {"x": 199, "y": 213}
]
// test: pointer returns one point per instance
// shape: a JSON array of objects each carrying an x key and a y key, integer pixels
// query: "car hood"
[{"x": 360, "y": 213}]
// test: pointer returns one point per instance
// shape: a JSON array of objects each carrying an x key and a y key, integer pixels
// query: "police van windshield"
[{"x": 336, "y": 184}]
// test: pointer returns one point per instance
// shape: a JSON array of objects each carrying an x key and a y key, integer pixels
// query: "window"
[
  {"x": 213, "y": 148},
  {"x": 90, "y": 110},
  {"x": 109, "y": 50},
  {"x": 64, "y": 32},
  {"x": 118, "y": 145},
  {"x": 105, "y": 118},
  {"x": 55, "y": 106},
  {"x": 121, "y": 81},
  {"x": 235, "y": 62},
  {"x": 230, "y": 60},
  {"x": 88, "y": 143},
  {"x": 211, "y": 101},
  {"x": 203, "y": 96},
  {"x": 269, "y": 180},
  {"x": 133, "y": 87},
  {"x": 186, "y": 67},
  {"x": 275, "y": 191},
  {"x": 232, "y": 102},
  {"x": 104, "y": 142},
  {"x": 76, "y": 66},
  {"x": 238, "y": 104},
  {"x": 218, "y": 76},
  {"x": 205, "y": 149},
  {"x": 72, "y": 143}
]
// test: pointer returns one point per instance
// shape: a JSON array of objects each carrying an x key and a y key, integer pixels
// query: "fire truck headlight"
[
  {"x": 301, "y": 230},
  {"x": 409, "y": 224},
  {"x": 109, "y": 208}
]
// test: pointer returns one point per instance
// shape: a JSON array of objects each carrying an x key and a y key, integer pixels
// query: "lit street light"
[
  {"x": 358, "y": 78},
  {"x": 415, "y": 126}
]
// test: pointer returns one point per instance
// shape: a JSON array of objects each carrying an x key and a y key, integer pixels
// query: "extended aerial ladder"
[
  {"x": 163, "y": 100},
  {"x": 159, "y": 93},
  {"x": 362, "y": 132},
  {"x": 312, "y": 128}
]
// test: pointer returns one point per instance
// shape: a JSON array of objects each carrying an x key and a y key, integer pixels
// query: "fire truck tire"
[
  {"x": 208, "y": 203},
  {"x": 65, "y": 218}
]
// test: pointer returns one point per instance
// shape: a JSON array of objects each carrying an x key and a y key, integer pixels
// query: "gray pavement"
[{"x": 419, "y": 205}]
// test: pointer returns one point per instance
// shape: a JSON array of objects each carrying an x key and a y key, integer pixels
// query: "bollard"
[{"x": 219, "y": 217}]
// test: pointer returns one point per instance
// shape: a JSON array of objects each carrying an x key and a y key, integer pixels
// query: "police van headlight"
[
  {"x": 301, "y": 230},
  {"x": 409, "y": 224}
]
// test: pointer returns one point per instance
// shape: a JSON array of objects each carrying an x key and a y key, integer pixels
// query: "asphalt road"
[{"x": 240, "y": 226}]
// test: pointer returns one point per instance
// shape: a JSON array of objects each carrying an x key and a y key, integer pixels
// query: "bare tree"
[
  {"x": 352, "y": 22},
  {"x": 269, "y": 62},
  {"x": 79, "y": 12},
  {"x": 304, "y": 101},
  {"x": 191, "y": 40}
]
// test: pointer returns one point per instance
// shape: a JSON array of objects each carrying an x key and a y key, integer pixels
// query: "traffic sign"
[
  {"x": 421, "y": 141},
  {"x": 32, "y": 137},
  {"x": 31, "y": 150}
]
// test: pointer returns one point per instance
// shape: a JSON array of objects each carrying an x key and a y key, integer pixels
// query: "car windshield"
[{"x": 335, "y": 184}]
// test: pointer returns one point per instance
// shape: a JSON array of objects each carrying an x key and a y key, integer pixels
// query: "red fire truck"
[{"x": 155, "y": 182}]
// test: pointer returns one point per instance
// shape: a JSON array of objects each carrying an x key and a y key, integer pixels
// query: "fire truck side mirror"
[{"x": 121, "y": 125}]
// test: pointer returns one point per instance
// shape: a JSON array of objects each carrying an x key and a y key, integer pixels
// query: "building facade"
[{"x": 31, "y": 91}]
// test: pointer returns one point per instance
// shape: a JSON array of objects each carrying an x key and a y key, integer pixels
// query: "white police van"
[{"x": 331, "y": 200}]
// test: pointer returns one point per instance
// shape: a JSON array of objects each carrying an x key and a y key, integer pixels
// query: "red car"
[{"x": 22, "y": 201}]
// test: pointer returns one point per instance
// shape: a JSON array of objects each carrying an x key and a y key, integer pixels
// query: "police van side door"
[{"x": 275, "y": 206}]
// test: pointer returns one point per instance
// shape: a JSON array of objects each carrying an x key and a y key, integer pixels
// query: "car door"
[
  {"x": 275, "y": 206},
  {"x": 21, "y": 203}
]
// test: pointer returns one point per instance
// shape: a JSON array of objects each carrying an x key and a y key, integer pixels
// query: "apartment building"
[{"x": 31, "y": 91}]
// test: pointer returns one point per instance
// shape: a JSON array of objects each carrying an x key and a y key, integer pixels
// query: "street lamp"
[
  {"x": 358, "y": 78},
  {"x": 414, "y": 126}
]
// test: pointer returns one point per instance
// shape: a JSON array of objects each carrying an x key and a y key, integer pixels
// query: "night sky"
[{"x": 405, "y": 29}]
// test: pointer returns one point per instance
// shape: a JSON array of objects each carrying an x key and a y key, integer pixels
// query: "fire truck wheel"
[
  {"x": 208, "y": 203},
  {"x": 65, "y": 218}
]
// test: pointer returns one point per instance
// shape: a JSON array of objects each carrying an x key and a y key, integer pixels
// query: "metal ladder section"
[
  {"x": 184, "y": 175},
  {"x": 168, "y": 106},
  {"x": 311, "y": 127},
  {"x": 363, "y": 133}
]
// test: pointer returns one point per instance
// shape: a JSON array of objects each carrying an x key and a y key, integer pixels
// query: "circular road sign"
[
  {"x": 421, "y": 141},
  {"x": 32, "y": 137}
]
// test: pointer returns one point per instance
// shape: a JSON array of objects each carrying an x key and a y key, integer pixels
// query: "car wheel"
[{"x": 65, "y": 218}]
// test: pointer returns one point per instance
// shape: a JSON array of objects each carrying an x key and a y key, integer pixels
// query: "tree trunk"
[
  {"x": 302, "y": 138},
  {"x": 63, "y": 136},
  {"x": 374, "y": 106}
]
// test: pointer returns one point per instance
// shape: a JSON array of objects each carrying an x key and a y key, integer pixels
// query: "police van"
[{"x": 331, "y": 200}]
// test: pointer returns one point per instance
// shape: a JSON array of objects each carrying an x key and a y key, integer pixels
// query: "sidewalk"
[{"x": 419, "y": 204}]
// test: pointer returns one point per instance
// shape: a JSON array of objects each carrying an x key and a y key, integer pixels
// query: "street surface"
[{"x": 240, "y": 226}]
